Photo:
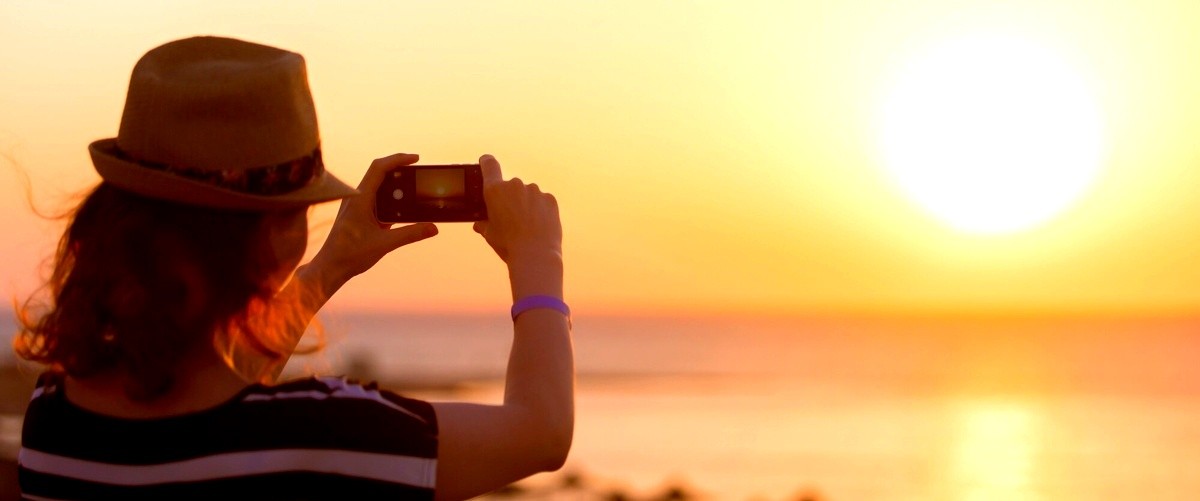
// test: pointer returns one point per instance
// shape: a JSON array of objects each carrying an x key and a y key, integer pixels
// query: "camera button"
[{"x": 397, "y": 194}]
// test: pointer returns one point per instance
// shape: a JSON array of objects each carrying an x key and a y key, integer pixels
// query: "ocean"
[{"x": 832, "y": 408}]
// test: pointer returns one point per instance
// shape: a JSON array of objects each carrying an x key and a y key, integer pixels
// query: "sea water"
[{"x": 844, "y": 408}]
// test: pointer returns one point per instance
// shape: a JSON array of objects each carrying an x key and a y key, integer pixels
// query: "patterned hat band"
[{"x": 266, "y": 180}]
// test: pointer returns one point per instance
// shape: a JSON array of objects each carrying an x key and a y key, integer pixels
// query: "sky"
[{"x": 709, "y": 157}]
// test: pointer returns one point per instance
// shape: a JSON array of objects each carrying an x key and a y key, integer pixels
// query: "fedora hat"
[{"x": 220, "y": 123}]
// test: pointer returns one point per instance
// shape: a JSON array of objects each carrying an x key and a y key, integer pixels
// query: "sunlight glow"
[
  {"x": 994, "y": 456},
  {"x": 991, "y": 134}
]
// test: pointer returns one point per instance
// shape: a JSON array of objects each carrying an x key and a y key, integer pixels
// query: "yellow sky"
[{"x": 707, "y": 156}]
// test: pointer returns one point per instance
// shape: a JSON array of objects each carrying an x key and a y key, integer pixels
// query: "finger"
[
  {"x": 491, "y": 170},
  {"x": 380, "y": 167},
  {"x": 405, "y": 235},
  {"x": 362, "y": 205}
]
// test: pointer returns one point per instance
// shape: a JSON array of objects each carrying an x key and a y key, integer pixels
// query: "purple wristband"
[{"x": 533, "y": 302}]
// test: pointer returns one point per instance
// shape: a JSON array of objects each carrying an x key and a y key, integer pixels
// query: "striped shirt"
[{"x": 315, "y": 438}]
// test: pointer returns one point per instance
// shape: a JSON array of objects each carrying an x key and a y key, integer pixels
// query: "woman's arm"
[{"x": 484, "y": 447}]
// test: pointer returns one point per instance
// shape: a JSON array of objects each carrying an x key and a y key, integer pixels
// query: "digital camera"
[{"x": 431, "y": 193}]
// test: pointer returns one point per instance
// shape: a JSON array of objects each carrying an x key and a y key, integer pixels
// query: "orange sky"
[{"x": 708, "y": 157}]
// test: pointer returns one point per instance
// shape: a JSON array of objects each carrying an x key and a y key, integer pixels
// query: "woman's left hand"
[{"x": 357, "y": 239}]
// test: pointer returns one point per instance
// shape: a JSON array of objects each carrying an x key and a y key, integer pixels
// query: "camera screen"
[{"x": 436, "y": 184}]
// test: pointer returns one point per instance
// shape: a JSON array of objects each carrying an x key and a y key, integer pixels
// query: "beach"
[{"x": 828, "y": 408}]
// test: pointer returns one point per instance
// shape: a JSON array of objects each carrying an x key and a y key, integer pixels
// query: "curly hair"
[{"x": 139, "y": 283}]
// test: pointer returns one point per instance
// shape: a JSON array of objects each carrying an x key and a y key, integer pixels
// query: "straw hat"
[{"x": 221, "y": 123}]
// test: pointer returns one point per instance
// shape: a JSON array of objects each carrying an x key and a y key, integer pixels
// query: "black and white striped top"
[{"x": 315, "y": 438}]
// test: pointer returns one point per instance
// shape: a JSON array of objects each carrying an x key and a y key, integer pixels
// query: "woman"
[{"x": 169, "y": 318}]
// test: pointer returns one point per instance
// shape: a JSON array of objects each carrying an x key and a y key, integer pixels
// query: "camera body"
[{"x": 431, "y": 193}]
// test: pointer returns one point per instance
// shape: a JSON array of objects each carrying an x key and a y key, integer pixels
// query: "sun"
[{"x": 991, "y": 134}]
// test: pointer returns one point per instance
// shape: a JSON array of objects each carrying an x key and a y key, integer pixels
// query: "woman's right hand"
[
  {"x": 524, "y": 229},
  {"x": 523, "y": 222}
]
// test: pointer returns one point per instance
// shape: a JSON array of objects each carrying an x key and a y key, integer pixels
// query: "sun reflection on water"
[{"x": 995, "y": 451}]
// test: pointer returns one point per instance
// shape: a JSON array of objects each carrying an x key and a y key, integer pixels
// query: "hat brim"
[{"x": 153, "y": 183}]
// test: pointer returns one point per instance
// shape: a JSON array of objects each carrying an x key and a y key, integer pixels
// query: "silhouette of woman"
[{"x": 176, "y": 298}]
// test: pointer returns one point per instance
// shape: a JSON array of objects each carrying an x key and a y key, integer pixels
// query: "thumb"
[
  {"x": 491, "y": 170},
  {"x": 404, "y": 235}
]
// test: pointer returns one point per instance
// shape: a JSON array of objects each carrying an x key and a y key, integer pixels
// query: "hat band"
[{"x": 266, "y": 180}]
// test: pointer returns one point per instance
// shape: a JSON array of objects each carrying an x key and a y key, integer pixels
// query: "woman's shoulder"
[
  {"x": 310, "y": 413},
  {"x": 316, "y": 400},
  {"x": 340, "y": 395}
]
